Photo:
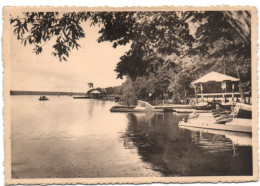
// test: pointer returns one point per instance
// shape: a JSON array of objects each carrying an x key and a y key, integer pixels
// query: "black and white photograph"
[{"x": 131, "y": 95}]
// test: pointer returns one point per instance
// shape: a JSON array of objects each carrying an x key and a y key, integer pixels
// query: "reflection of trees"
[{"x": 177, "y": 152}]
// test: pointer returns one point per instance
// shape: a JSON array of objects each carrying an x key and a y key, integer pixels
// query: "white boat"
[
  {"x": 190, "y": 111},
  {"x": 207, "y": 121}
]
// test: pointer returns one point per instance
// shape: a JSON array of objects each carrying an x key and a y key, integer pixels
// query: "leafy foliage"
[
  {"x": 168, "y": 49},
  {"x": 43, "y": 26}
]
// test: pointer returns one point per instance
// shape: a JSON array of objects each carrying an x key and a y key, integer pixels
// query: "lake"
[{"x": 71, "y": 138}]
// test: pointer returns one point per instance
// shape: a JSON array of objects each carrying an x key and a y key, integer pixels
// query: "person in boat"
[
  {"x": 43, "y": 98},
  {"x": 221, "y": 115}
]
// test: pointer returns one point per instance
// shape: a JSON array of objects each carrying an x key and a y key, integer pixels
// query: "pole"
[
  {"x": 233, "y": 87},
  {"x": 241, "y": 91},
  {"x": 201, "y": 87},
  {"x": 196, "y": 97},
  {"x": 225, "y": 67}
]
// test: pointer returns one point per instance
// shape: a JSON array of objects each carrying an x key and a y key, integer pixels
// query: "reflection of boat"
[
  {"x": 43, "y": 98},
  {"x": 123, "y": 108},
  {"x": 238, "y": 138}
]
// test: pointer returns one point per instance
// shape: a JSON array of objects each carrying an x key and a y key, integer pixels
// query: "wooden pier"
[{"x": 165, "y": 108}]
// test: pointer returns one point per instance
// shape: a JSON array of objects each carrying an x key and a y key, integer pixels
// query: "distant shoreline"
[{"x": 17, "y": 92}]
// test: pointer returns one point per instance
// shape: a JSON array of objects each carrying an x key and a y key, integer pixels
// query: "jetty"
[
  {"x": 144, "y": 106},
  {"x": 163, "y": 108}
]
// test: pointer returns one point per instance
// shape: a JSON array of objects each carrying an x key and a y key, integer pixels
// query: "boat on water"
[
  {"x": 123, "y": 108},
  {"x": 219, "y": 120},
  {"x": 43, "y": 98},
  {"x": 190, "y": 111},
  {"x": 211, "y": 105},
  {"x": 243, "y": 111}
]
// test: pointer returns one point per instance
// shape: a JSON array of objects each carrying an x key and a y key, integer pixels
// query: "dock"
[
  {"x": 143, "y": 106},
  {"x": 166, "y": 108}
]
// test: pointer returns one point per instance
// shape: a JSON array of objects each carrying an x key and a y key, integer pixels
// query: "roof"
[
  {"x": 95, "y": 92},
  {"x": 214, "y": 76}
]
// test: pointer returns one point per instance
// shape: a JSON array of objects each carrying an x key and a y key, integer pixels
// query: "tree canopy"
[{"x": 168, "y": 49}]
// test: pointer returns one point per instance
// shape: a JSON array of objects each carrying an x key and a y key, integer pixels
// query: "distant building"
[{"x": 95, "y": 94}]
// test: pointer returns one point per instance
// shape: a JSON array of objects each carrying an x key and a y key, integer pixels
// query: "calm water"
[{"x": 67, "y": 138}]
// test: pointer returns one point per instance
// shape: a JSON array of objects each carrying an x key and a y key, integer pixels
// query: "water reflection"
[
  {"x": 66, "y": 138},
  {"x": 184, "y": 152},
  {"x": 215, "y": 141},
  {"x": 237, "y": 138}
]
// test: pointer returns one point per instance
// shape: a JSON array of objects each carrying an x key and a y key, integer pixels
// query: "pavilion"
[{"x": 215, "y": 77}]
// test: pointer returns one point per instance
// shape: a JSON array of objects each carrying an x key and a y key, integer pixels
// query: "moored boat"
[
  {"x": 237, "y": 125},
  {"x": 190, "y": 111},
  {"x": 123, "y": 108},
  {"x": 210, "y": 105},
  {"x": 244, "y": 111},
  {"x": 219, "y": 121}
]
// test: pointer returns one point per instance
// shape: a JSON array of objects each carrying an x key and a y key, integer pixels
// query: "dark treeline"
[
  {"x": 168, "y": 49},
  {"x": 16, "y": 92}
]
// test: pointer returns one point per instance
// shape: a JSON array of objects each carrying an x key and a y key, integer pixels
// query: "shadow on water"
[
  {"x": 175, "y": 151},
  {"x": 84, "y": 139}
]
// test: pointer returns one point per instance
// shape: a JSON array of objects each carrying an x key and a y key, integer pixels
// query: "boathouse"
[{"x": 95, "y": 94}]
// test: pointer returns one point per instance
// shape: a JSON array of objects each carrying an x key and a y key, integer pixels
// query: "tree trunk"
[
  {"x": 225, "y": 67},
  {"x": 185, "y": 95},
  {"x": 241, "y": 91}
]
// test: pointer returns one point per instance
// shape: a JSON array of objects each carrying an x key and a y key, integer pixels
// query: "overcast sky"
[{"x": 93, "y": 62}]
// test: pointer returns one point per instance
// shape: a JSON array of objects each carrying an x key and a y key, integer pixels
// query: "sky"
[{"x": 92, "y": 62}]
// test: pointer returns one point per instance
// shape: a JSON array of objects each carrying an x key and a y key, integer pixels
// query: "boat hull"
[
  {"x": 127, "y": 109},
  {"x": 191, "y": 110},
  {"x": 236, "y": 125}
]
